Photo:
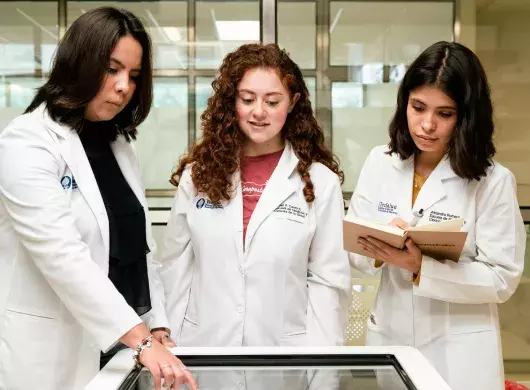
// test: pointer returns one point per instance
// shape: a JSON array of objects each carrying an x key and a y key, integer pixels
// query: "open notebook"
[{"x": 441, "y": 241}]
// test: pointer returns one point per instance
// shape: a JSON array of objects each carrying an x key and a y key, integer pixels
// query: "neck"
[
  {"x": 425, "y": 162},
  {"x": 253, "y": 149}
]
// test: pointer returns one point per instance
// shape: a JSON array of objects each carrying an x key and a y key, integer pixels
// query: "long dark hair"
[
  {"x": 457, "y": 71},
  {"x": 215, "y": 157},
  {"x": 80, "y": 67}
]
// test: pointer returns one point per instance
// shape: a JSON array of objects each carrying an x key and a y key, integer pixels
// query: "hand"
[
  {"x": 163, "y": 364},
  {"x": 164, "y": 338},
  {"x": 400, "y": 223},
  {"x": 159, "y": 360},
  {"x": 408, "y": 258}
]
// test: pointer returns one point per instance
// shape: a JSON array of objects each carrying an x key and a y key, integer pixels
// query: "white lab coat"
[
  {"x": 58, "y": 308},
  {"x": 451, "y": 316},
  {"x": 289, "y": 286}
]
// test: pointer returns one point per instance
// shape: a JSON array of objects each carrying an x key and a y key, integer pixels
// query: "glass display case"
[{"x": 282, "y": 368}]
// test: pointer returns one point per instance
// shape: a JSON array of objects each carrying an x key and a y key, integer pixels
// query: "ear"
[{"x": 294, "y": 100}]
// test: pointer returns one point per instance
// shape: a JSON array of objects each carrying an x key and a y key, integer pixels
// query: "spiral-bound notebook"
[{"x": 441, "y": 241}]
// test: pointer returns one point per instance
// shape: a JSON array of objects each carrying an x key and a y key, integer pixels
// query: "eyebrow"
[
  {"x": 415, "y": 100},
  {"x": 123, "y": 66},
  {"x": 254, "y": 93}
]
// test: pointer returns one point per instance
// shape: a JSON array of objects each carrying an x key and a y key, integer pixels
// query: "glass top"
[{"x": 295, "y": 372}]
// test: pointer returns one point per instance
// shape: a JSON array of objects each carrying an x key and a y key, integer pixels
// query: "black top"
[{"x": 128, "y": 243}]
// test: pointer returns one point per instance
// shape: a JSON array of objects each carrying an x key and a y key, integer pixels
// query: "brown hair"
[{"x": 216, "y": 156}]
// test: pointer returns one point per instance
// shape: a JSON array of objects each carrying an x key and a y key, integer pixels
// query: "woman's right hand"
[
  {"x": 159, "y": 361},
  {"x": 163, "y": 364}
]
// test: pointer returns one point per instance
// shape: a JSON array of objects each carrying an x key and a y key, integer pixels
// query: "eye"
[
  {"x": 134, "y": 77},
  {"x": 247, "y": 101},
  {"x": 273, "y": 104},
  {"x": 112, "y": 70},
  {"x": 418, "y": 108},
  {"x": 446, "y": 115}
]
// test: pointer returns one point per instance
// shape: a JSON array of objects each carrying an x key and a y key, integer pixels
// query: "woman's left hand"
[
  {"x": 408, "y": 258},
  {"x": 163, "y": 338}
]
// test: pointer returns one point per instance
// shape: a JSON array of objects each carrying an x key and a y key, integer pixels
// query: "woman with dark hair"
[
  {"x": 76, "y": 255},
  {"x": 253, "y": 250},
  {"x": 439, "y": 166}
]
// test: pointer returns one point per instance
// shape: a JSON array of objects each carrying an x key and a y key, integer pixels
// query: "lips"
[
  {"x": 115, "y": 104},
  {"x": 259, "y": 124},
  {"x": 426, "y": 138}
]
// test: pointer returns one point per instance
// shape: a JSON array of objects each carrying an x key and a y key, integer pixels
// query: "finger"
[
  {"x": 179, "y": 378},
  {"x": 157, "y": 379},
  {"x": 372, "y": 250},
  {"x": 169, "y": 375},
  {"x": 399, "y": 222},
  {"x": 383, "y": 247},
  {"x": 410, "y": 245},
  {"x": 189, "y": 380}
]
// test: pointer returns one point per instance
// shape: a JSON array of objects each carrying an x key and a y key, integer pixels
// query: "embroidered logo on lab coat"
[
  {"x": 68, "y": 182},
  {"x": 436, "y": 216},
  {"x": 387, "y": 208},
  {"x": 204, "y": 203},
  {"x": 291, "y": 212}
]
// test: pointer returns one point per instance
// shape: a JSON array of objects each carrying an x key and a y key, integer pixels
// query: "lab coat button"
[
  {"x": 240, "y": 309},
  {"x": 241, "y": 270}
]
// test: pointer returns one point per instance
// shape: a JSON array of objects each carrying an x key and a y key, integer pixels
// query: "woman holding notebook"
[{"x": 439, "y": 166}]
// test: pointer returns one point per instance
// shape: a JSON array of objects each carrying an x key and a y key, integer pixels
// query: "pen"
[{"x": 417, "y": 217}]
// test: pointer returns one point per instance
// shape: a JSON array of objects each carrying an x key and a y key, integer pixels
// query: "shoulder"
[
  {"x": 325, "y": 181},
  {"x": 28, "y": 131},
  {"x": 380, "y": 155},
  {"x": 497, "y": 177}
]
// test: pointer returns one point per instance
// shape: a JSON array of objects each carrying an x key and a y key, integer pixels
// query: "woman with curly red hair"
[{"x": 253, "y": 251}]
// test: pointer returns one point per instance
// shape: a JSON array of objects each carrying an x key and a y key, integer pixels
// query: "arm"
[
  {"x": 177, "y": 256},
  {"x": 329, "y": 281},
  {"x": 156, "y": 318},
  {"x": 360, "y": 204},
  {"x": 493, "y": 275},
  {"x": 40, "y": 214}
]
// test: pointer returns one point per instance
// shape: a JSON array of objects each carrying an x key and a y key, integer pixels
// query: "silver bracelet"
[{"x": 142, "y": 345}]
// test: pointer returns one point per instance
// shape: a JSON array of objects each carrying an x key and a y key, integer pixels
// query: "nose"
[
  {"x": 428, "y": 124},
  {"x": 122, "y": 84},
  {"x": 259, "y": 111}
]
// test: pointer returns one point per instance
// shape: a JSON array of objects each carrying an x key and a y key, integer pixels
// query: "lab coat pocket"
[
  {"x": 29, "y": 342},
  {"x": 188, "y": 334},
  {"x": 468, "y": 318},
  {"x": 294, "y": 339}
]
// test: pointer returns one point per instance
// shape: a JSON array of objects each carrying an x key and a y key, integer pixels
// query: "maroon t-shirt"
[{"x": 255, "y": 172}]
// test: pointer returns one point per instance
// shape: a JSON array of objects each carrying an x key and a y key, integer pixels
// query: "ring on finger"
[
  {"x": 165, "y": 366},
  {"x": 184, "y": 368}
]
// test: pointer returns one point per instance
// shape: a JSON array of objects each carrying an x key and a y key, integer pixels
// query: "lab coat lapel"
[
  {"x": 433, "y": 189},
  {"x": 234, "y": 214},
  {"x": 75, "y": 157},
  {"x": 402, "y": 188},
  {"x": 124, "y": 154},
  {"x": 278, "y": 189}
]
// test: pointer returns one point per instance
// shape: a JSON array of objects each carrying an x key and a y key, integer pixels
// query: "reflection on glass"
[
  {"x": 28, "y": 38},
  {"x": 376, "y": 41},
  {"x": 165, "y": 21},
  {"x": 297, "y": 31},
  {"x": 360, "y": 118},
  {"x": 289, "y": 378},
  {"x": 388, "y": 32},
  {"x": 203, "y": 90},
  {"x": 163, "y": 137},
  {"x": 223, "y": 27}
]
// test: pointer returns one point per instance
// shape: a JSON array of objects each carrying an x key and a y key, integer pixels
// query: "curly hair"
[{"x": 216, "y": 156}]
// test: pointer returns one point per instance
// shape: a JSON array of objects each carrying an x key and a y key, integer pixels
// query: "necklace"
[{"x": 418, "y": 180}]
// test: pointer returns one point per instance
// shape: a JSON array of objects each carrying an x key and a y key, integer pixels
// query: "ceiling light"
[{"x": 238, "y": 30}]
